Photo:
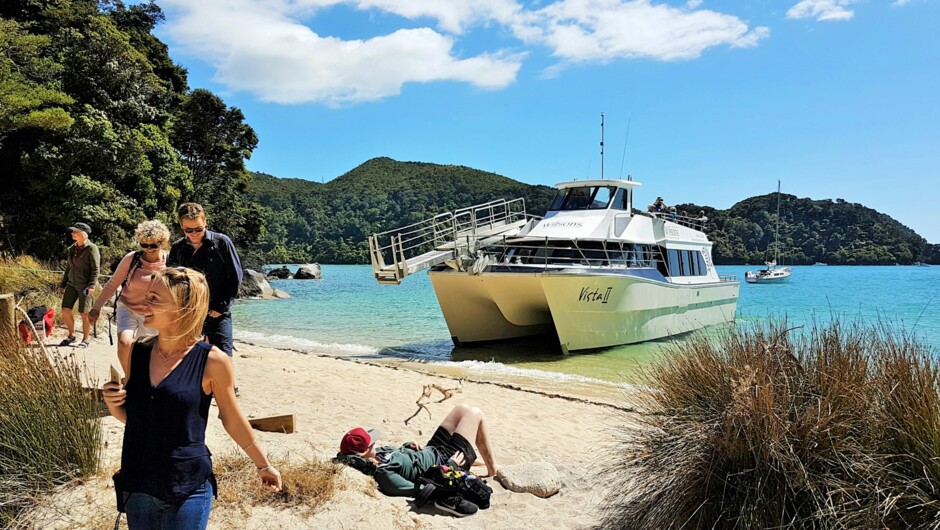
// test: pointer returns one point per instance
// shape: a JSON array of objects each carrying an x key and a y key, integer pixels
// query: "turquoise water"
[{"x": 349, "y": 313}]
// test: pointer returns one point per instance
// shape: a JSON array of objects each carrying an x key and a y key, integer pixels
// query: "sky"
[{"x": 704, "y": 101}]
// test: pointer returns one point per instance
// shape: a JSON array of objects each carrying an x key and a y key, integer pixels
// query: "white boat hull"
[
  {"x": 768, "y": 276},
  {"x": 586, "y": 310}
]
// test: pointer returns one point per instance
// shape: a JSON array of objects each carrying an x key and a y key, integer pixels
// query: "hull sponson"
[
  {"x": 599, "y": 311},
  {"x": 491, "y": 306}
]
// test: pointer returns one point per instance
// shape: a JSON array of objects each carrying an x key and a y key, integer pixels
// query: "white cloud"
[
  {"x": 263, "y": 47},
  {"x": 823, "y": 9},
  {"x": 601, "y": 30},
  {"x": 899, "y": 3},
  {"x": 256, "y": 47}
]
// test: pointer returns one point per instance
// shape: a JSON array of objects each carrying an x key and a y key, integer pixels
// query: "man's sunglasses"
[
  {"x": 197, "y": 230},
  {"x": 151, "y": 246}
]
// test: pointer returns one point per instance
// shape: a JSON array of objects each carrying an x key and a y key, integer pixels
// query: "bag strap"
[{"x": 135, "y": 264}]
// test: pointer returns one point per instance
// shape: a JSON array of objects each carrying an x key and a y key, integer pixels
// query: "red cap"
[{"x": 357, "y": 441}]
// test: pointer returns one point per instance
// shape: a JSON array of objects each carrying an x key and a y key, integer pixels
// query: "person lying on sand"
[
  {"x": 166, "y": 469},
  {"x": 396, "y": 470}
]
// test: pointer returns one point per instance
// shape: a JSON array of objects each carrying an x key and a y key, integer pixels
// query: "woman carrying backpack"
[{"x": 133, "y": 276}]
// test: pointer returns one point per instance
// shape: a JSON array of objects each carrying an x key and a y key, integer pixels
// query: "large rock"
[
  {"x": 308, "y": 272},
  {"x": 280, "y": 273},
  {"x": 253, "y": 285},
  {"x": 538, "y": 478},
  {"x": 280, "y": 294}
]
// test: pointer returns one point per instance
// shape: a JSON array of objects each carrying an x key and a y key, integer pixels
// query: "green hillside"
[{"x": 309, "y": 221}]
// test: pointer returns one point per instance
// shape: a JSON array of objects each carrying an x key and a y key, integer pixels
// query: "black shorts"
[{"x": 447, "y": 444}]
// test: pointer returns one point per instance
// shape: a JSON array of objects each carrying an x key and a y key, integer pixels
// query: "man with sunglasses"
[{"x": 214, "y": 255}]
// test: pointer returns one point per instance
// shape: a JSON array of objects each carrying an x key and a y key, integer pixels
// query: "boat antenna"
[
  {"x": 625, "y": 140},
  {"x": 602, "y": 146}
]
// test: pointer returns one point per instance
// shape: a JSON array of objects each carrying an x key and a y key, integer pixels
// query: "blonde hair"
[
  {"x": 191, "y": 211},
  {"x": 191, "y": 295},
  {"x": 153, "y": 230}
]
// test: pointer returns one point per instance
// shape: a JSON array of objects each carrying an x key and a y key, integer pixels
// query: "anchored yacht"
[{"x": 593, "y": 270}]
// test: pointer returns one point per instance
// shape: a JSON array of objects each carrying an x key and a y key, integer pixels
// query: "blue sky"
[{"x": 837, "y": 98}]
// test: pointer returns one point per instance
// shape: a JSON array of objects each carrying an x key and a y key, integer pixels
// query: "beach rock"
[
  {"x": 308, "y": 272},
  {"x": 538, "y": 478},
  {"x": 280, "y": 273},
  {"x": 280, "y": 294},
  {"x": 254, "y": 284}
]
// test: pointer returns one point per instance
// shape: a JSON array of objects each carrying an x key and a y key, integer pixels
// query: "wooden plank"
[{"x": 283, "y": 423}]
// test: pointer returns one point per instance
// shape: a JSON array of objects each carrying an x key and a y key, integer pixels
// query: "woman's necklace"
[{"x": 167, "y": 358}]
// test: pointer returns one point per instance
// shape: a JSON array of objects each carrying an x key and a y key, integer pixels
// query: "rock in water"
[
  {"x": 280, "y": 294},
  {"x": 254, "y": 284},
  {"x": 280, "y": 273},
  {"x": 309, "y": 272},
  {"x": 538, "y": 478}
]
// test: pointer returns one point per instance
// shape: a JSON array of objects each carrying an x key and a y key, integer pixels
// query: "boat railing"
[
  {"x": 406, "y": 250},
  {"x": 695, "y": 223},
  {"x": 728, "y": 277}
]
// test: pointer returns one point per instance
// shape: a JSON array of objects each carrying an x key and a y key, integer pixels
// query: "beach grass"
[
  {"x": 49, "y": 428},
  {"x": 308, "y": 484},
  {"x": 770, "y": 427},
  {"x": 28, "y": 278}
]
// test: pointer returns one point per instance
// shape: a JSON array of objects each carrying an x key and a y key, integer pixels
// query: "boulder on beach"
[
  {"x": 280, "y": 294},
  {"x": 253, "y": 285},
  {"x": 538, "y": 478},
  {"x": 280, "y": 273},
  {"x": 308, "y": 272}
]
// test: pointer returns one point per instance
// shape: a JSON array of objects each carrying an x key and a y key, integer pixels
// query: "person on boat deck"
[
  {"x": 658, "y": 207},
  {"x": 673, "y": 213},
  {"x": 396, "y": 470},
  {"x": 166, "y": 469},
  {"x": 133, "y": 275}
]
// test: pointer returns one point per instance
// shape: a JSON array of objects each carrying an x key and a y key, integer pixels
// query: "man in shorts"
[{"x": 79, "y": 281}]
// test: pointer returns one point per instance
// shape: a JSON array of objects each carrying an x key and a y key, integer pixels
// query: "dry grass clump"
[
  {"x": 307, "y": 485},
  {"x": 767, "y": 427},
  {"x": 25, "y": 276},
  {"x": 49, "y": 429}
]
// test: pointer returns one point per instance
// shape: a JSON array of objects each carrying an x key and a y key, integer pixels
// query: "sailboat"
[{"x": 771, "y": 274}]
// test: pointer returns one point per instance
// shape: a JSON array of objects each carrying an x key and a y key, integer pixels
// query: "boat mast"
[
  {"x": 777, "y": 225},
  {"x": 602, "y": 146}
]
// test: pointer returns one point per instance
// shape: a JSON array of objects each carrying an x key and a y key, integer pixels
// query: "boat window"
[
  {"x": 583, "y": 198},
  {"x": 687, "y": 263},
  {"x": 620, "y": 200},
  {"x": 674, "y": 263},
  {"x": 702, "y": 268}
]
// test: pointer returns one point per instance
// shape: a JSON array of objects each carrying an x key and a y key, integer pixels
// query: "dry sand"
[{"x": 330, "y": 395}]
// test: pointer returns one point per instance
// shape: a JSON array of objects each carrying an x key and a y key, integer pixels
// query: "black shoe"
[{"x": 456, "y": 505}]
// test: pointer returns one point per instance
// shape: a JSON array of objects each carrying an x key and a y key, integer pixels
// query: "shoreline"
[{"x": 330, "y": 394}]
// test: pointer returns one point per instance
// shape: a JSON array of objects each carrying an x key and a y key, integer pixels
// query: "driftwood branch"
[{"x": 425, "y": 397}]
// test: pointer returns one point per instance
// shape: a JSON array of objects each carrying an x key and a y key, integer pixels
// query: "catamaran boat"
[{"x": 593, "y": 270}]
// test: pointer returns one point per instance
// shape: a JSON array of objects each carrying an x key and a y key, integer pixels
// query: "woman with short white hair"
[{"x": 133, "y": 276}]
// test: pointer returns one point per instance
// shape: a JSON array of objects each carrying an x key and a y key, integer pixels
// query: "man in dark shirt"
[{"x": 213, "y": 254}]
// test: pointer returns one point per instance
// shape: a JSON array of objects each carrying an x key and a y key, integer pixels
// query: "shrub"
[
  {"x": 49, "y": 429},
  {"x": 764, "y": 427}
]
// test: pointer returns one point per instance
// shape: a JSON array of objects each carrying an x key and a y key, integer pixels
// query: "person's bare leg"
[
  {"x": 472, "y": 426},
  {"x": 69, "y": 320},
  {"x": 86, "y": 327},
  {"x": 125, "y": 342},
  {"x": 454, "y": 416}
]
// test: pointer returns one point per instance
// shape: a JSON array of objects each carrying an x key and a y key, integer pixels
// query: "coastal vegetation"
[
  {"x": 98, "y": 123},
  {"x": 775, "y": 427}
]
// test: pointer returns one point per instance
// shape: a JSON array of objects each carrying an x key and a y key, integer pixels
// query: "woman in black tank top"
[{"x": 166, "y": 468}]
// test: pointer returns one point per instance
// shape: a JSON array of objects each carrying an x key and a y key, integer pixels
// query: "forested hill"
[{"x": 309, "y": 221}]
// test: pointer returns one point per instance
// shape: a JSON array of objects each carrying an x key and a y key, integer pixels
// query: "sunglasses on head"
[
  {"x": 151, "y": 246},
  {"x": 197, "y": 230}
]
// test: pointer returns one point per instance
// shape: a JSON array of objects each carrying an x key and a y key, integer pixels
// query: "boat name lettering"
[
  {"x": 562, "y": 224},
  {"x": 594, "y": 295},
  {"x": 672, "y": 231}
]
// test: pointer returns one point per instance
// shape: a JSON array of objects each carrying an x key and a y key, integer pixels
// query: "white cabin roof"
[{"x": 607, "y": 182}]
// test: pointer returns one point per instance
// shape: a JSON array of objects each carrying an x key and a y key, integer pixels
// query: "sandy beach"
[{"x": 330, "y": 395}]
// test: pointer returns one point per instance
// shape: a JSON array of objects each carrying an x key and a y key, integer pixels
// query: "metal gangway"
[{"x": 422, "y": 245}]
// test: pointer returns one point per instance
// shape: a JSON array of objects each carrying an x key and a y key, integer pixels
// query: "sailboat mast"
[
  {"x": 602, "y": 146},
  {"x": 777, "y": 225}
]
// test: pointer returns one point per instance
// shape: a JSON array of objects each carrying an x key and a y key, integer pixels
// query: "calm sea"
[{"x": 349, "y": 314}]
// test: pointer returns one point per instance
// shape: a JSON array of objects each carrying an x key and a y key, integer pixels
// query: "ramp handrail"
[{"x": 399, "y": 252}]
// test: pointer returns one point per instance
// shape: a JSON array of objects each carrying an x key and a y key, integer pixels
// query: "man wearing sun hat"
[{"x": 79, "y": 281}]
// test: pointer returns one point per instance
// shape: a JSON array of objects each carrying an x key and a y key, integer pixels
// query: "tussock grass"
[
  {"x": 49, "y": 429},
  {"x": 769, "y": 427},
  {"x": 37, "y": 281},
  {"x": 307, "y": 485}
]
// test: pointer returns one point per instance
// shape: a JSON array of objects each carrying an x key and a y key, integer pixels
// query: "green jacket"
[
  {"x": 403, "y": 466},
  {"x": 81, "y": 266}
]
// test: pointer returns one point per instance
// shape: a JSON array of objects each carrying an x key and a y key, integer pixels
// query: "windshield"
[{"x": 584, "y": 198}]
